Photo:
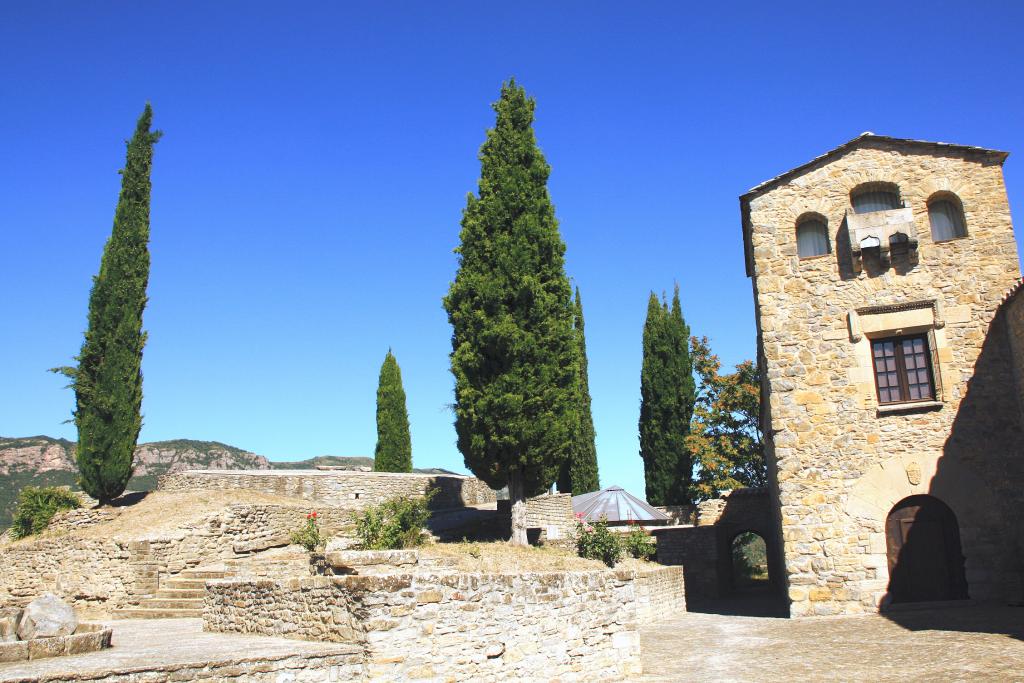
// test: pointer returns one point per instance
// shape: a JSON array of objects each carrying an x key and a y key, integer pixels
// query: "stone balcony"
[{"x": 880, "y": 232}]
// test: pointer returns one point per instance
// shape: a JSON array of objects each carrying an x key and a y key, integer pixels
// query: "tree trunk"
[{"x": 518, "y": 498}]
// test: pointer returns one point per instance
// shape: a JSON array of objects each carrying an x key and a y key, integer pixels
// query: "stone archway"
[
  {"x": 749, "y": 571},
  {"x": 926, "y": 562}
]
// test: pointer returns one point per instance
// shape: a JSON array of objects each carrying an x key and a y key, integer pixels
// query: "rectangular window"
[{"x": 903, "y": 369}]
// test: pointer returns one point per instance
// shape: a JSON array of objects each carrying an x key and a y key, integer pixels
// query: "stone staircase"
[{"x": 179, "y": 597}]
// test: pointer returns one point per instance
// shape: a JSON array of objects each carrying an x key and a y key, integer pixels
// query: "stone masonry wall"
[
  {"x": 1013, "y": 309},
  {"x": 550, "y": 516},
  {"x": 840, "y": 462},
  {"x": 102, "y": 574},
  {"x": 566, "y": 626},
  {"x": 344, "y": 489}
]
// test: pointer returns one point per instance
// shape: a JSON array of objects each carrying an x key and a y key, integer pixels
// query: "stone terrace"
[{"x": 177, "y": 649}]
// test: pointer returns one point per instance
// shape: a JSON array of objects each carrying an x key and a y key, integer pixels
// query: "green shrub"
[
  {"x": 36, "y": 507},
  {"x": 596, "y": 542},
  {"x": 749, "y": 558},
  {"x": 394, "y": 524},
  {"x": 638, "y": 543},
  {"x": 308, "y": 535}
]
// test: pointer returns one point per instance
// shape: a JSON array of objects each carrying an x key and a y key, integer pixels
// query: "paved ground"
[
  {"x": 168, "y": 644},
  {"x": 975, "y": 643}
]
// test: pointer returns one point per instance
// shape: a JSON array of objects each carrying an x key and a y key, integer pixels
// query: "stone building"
[{"x": 890, "y": 337}]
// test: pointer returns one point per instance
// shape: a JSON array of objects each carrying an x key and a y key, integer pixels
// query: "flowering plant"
[
  {"x": 596, "y": 542},
  {"x": 308, "y": 535},
  {"x": 638, "y": 542}
]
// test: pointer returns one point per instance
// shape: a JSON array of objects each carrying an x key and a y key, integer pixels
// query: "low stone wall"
[
  {"x": 696, "y": 549},
  {"x": 81, "y": 518},
  {"x": 548, "y": 517},
  {"x": 458, "y": 626},
  {"x": 660, "y": 593},
  {"x": 343, "y": 489},
  {"x": 101, "y": 575},
  {"x": 86, "y": 638}
]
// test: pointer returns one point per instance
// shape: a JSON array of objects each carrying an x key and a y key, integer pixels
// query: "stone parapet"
[
  {"x": 343, "y": 489},
  {"x": 460, "y": 626}
]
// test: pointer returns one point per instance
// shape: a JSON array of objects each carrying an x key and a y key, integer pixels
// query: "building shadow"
[{"x": 956, "y": 552}]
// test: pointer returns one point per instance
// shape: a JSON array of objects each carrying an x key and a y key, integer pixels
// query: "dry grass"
[
  {"x": 165, "y": 511},
  {"x": 502, "y": 558}
]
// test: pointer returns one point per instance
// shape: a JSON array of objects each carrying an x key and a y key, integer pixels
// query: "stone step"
[
  {"x": 143, "y": 613},
  {"x": 180, "y": 593},
  {"x": 177, "y": 584},
  {"x": 201, "y": 574},
  {"x": 171, "y": 603}
]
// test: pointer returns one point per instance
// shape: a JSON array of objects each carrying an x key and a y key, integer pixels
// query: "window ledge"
[{"x": 909, "y": 407}]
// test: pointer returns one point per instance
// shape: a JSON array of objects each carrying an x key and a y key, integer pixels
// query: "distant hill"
[{"x": 46, "y": 461}]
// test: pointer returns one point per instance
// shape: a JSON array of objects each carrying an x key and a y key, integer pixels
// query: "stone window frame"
[
  {"x": 874, "y": 323},
  {"x": 807, "y": 217},
  {"x": 876, "y": 186},
  {"x": 952, "y": 197}
]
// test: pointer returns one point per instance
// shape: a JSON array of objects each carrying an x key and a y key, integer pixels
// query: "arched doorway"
[
  {"x": 749, "y": 554},
  {"x": 925, "y": 560}
]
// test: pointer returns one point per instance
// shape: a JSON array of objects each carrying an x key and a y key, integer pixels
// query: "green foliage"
[
  {"x": 394, "y": 446},
  {"x": 638, "y": 543},
  {"x": 666, "y": 403},
  {"x": 308, "y": 535},
  {"x": 595, "y": 541},
  {"x": 394, "y": 524},
  {"x": 579, "y": 473},
  {"x": 513, "y": 344},
  {"x": 750, "y": 558},
  {"x": 37, "y": 506},
  {"x": 108, "y": 378},
  {"x": 725, "y": 436}
]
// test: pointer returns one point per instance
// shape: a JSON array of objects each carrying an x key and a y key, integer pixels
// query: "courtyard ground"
[{"x": 974, "y": 643}]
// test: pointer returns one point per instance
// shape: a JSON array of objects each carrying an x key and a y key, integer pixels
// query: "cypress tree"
[
  {"x": 666, "y": 403},
  {"x": 579, "y": 473},
  {"x": 108, "y": 378},
  {"x": 513, "y": 346},
  {"x": 394, "y": 446}
]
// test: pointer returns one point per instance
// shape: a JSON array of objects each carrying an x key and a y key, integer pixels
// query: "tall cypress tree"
[
  {"x": 513, "y": 345},
  {"x": 394, "y": 446},
  {"x": 666, "y": 403},
  {"x": 108, "y": 378},
  {"x": 579, "y": 473}
]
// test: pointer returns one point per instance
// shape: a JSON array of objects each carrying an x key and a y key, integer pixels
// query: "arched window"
[
  {"x": 947, "y": 218},
  {"x": 875, "y": 197},
  {"x": 811, "y": 237}
]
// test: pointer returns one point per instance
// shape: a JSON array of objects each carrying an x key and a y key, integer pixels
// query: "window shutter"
[{"x": 936, "y": 369}]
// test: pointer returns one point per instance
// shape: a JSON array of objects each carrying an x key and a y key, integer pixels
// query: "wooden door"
[{"x": 925, "y": 560}]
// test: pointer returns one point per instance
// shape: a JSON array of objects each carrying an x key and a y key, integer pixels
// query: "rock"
[
  {"x": 9, "y": 617},
  {"x": 494, "y": 650},
  {"x": 45, "y": 617}
]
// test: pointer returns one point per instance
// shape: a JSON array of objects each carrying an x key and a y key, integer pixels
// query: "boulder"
[
  {"x": 9, "y": 617},
  {"x": 45, "y": 617}
]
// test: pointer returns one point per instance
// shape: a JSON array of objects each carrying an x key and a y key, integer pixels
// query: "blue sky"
[{"x": 315, "y": 163}]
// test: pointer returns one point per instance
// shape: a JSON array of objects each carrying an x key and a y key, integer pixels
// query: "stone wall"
[
  {"x": 679, "y": 514},
  {"x": 1013, "y": 310},
  {"x": 481, "y": 627},
  {"x": 840, "y": 461},
  {"x": 102, "y": 574},
  {"x": 343, "y": 489},
  {"x": 548, "y": 517}
]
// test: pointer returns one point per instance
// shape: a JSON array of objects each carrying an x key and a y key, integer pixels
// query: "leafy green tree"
[
  {"x": 514, "y": 350},
  {"x": 394, "y": 446},
  {"x": 579, "y": 472},
  {"x": 666, "y": 403},
  {"x": 108, "y": 378},
  {"x": 725, "y": 435}
]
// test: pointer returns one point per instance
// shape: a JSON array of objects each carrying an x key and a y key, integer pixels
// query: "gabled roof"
[
  {"x": 869, "y": 137},
  {"x": 616, "y": 505},
  {"x": 863, "y": 139}
]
